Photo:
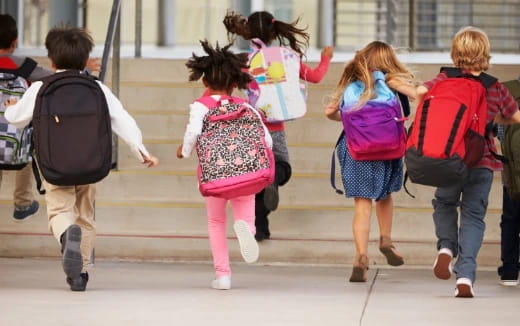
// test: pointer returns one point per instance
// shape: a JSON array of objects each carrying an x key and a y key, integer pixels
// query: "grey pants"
[{"x": 464, "y": 240}]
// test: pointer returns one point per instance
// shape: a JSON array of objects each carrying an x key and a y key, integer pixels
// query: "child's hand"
[
  {"x": 11, "y": 101},
  {"x": 327, "y": 51},
  {"x": 332, "y": 112},
  {"x": 93, "y": 64},
  {"x": 179, "y": 152},
  {"x": 152, "y": 161},
  {"x": 330, "y": 109}
]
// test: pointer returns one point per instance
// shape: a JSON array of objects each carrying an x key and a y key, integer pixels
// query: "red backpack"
[{"x": 449, "y": 131}]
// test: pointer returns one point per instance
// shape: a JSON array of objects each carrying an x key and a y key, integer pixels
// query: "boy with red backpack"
[
  {"x": 470, "y": 188},
  {"x": 73, "y": 116}
]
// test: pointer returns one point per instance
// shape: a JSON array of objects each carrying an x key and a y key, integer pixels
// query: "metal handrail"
[{"x": 111, "y": 30}]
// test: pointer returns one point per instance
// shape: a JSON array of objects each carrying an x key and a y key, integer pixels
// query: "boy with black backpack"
[
  {"x": 73, "y": 116},
  {"x": 470, "y": 53}
]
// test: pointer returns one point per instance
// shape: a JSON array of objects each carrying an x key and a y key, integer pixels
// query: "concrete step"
[
  {"x": 304, "y": 157},
  {"x": 302, "y": 190},
  {"x": 176, "y": 97},
  {"x": 311, "y": 129},
  {"x": 148, "y": 219},
  {"x": 197, "y": 249}
]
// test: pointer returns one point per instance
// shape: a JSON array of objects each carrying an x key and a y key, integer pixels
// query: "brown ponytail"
[{"x": 263, "y": 25}]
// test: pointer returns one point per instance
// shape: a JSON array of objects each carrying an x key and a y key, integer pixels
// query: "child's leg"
[
  {"x": 261, "y": 221},
  {"x": 216, "y": 211},
  {"x": 509, "y": 226},
  {"x": 244, "y": 209},
  {"x": 361, "y": 225},
  {"x": 244, "y": 226},
  {"x": 61, "y": 201},
  {"x": 384, "y": 212},
  {"x": 472, "y": 212},
  {"x": 361, "y": 230},
  {"x": 60, "y": 208},
  {"x": 85, "y": 196},
  {"x": 23, "y": 187}
]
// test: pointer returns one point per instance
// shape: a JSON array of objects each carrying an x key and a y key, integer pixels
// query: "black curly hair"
[
  {"x": 221, "y": 69},
  {"x": 263, "y": 25}
]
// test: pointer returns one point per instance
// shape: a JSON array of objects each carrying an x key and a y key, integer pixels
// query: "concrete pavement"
[{"x": 34, "y": 292}]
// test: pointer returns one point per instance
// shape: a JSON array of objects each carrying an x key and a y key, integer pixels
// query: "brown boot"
[
  {"x": 359, "y": 270},
  {"x": 393, "y": 257}
]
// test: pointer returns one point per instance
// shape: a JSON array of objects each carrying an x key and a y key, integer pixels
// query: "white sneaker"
[
  {"x": 509, "y": 282},
  {"x": 221, "y": 283},
  {"x": 246, "y": 241},
  {"x": 464, "y": 288},
  {"x": 442, "y": 267}
]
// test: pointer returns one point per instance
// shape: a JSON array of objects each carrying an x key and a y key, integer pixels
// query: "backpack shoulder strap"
[
  {"x": 405, "y": 103},
  {"x": 333, "y": 165},
  {"x": 208, "y": 101},
  {"x": 257, "y": 44},
  {"x": 452, "y": 72},
  {"x": 25, "y": 70},
  {"x": 485, "y": 79}
]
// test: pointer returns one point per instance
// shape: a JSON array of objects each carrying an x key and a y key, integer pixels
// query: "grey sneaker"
[
  {"x": 23, "y": 213},
  {"x": 70, "y": 248}
]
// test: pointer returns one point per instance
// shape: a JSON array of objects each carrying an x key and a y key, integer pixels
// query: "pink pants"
[{"x": 243, "y": 209}]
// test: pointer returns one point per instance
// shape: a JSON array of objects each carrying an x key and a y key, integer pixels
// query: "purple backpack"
[
  {"x": 375, "y": 131},
  {"x": 234, "y": 159}
]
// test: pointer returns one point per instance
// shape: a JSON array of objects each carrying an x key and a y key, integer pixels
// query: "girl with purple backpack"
[
  {"x": 368, "y": 180},
  {"x": 234, "y": 150}
]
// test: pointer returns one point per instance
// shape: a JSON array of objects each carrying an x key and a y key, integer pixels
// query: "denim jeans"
[
  {"x": 464, "y": 240},
  {"x": 510, "y": 227}
]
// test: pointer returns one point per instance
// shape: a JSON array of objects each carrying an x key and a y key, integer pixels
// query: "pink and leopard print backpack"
[{"x": 234, "y": 159}]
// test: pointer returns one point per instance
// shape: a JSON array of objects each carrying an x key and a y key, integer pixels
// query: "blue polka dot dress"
[{"x": 369, "y": 179}]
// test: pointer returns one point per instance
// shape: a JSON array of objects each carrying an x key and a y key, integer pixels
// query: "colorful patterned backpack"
[
  {"x": 276, "y": 89},
  {"x": 15, "y": 143},
  {"x": 234, "y": 159}
]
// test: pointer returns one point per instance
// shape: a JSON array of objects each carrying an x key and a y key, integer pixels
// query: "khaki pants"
[
  {"x": 23, "y": 187},
  {"x": 67, "y": 205}
]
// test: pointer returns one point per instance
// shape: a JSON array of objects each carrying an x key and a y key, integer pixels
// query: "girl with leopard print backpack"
[{"x": 234, "y": 151}]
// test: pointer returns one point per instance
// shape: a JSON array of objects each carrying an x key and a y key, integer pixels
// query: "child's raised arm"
[{"x": 316, "y": 75}]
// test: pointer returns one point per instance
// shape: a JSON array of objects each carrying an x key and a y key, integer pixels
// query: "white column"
[
  {"x": 257, "y": 5},
  {"x": 326, "y": 23}
]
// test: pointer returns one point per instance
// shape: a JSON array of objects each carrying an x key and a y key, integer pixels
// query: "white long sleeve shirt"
[
  {"x": 194, "y": 127},
  {"x": 122, "y": 123}
]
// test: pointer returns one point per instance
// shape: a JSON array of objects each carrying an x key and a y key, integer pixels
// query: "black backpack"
[
  {"x": 511, "y": 148},
  {"x": 72, "y": 131}
]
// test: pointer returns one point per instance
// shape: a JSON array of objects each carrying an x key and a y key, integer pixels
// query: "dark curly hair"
[
  {"x": 8, "y": 31},
  {"x": 263, "y": 25},
  {"x": 221, "y": 69}
]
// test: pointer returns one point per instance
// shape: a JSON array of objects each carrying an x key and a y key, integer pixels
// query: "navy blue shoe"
[{"x": 23, "y": 213}]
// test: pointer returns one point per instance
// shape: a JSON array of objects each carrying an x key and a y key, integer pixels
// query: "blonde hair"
[
  {"x": 470, "y": 49},
  {"x": 375, "y": 56}
]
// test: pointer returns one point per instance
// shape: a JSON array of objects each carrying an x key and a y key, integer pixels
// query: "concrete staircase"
[{"x": 158, "y": 214}]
